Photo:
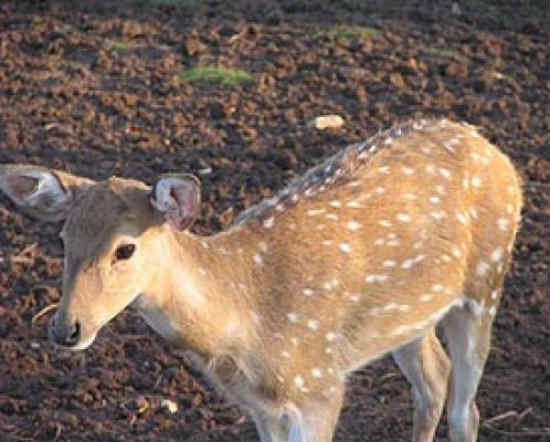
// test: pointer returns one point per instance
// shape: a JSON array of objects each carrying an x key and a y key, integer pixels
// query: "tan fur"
[{"x": 363, "y": 256}]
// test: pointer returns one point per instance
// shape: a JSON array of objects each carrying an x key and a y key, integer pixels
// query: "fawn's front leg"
[{"x": 312, "y": 421}]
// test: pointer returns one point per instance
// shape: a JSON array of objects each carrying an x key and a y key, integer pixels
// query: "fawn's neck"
[{"x": 205, "y": 297}]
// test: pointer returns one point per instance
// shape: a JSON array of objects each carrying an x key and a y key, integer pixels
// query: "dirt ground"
[{"x": 95, "y": 89}]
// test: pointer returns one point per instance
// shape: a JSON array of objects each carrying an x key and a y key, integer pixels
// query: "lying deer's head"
[{"x": 112, "y": 236}]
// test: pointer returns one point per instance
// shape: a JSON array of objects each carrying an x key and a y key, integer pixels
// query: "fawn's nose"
[{"x": 65, "y": 334}]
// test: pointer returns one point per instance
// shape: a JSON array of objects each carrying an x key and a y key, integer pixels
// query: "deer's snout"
[{"x": 64, "y": 332}]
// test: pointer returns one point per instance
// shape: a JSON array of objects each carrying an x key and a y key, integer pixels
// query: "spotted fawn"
[{"x": 362, "y": 256}]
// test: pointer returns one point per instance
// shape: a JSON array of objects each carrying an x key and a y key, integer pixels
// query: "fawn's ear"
[
  {"x": 178, "y": 198},
  {"x": 43, "y": 193}
]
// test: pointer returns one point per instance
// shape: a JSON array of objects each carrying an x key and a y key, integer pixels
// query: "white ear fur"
[
  {"x": 47, "y": 187},
  {"x": 42, "y": 193},
  {"x": 177, "y": 197}
]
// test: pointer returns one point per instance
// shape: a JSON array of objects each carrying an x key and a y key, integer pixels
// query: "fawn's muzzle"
[{"x": 64, "y": 333}]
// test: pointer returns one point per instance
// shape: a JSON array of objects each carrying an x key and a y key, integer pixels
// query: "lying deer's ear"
[
  {"x": 40, "y": 192},
  {"x": 178, "y": 198}
]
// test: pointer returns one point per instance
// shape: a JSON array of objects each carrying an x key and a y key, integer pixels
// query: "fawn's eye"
[{"x": 125, "y": 251}]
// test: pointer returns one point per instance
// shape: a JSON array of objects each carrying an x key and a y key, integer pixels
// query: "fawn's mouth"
[{"x": 73, "y": 339}]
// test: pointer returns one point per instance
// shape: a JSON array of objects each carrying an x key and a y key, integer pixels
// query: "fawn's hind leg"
[
  {"x": 426, "y": 367},
  {"x": 468, "y": 334}
]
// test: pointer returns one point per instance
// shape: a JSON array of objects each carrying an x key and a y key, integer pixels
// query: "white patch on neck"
[{"x": 156, "y": 318}]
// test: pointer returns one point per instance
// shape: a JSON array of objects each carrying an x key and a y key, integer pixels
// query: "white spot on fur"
[
  {"x": 330, "y": 336},
  {"x": 502, "y": 224},
  {"x": 482, "y": 268},
  {"x": 409, "y": 196},
  {"x": 335, "y": 203},
  {"x": 316, "y": 373},
  {"x": 258, "y": 259},
  {"x": 408, "y": 263},
  {"x": 497, "y": 254},
  {"x": 438, "y": 214},
  {"x": 292, "y": 317},
  {"x": 402, "y": 329},
  {"x": 376, "y": 278},
  {"x": 434, "y": 199},
  {"x": 384, "y": 223},
  {"x": 461, "y": 218},
  {"x": 403, "y": 217},
  {"x": 315, "y": 212},
  {"x": 307, "y": 292},
  {"x": 345, "y": 247},
  {"x": 353, "y": 225},
  {"x": 456, "y": 251},
  {"x": 269, "y": 223},
  {"x": 354, "y": 204},
  {"x": 313, "y": 324},
  {"x": 299, "y": 381},
  {"x": 389, "y": 263},
  {"x": 445, "y": 172}
]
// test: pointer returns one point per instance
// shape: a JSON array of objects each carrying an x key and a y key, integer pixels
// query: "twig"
[
  {"x": 537, "y": 184},
  {"x": 44, "y": 311},
  {"x": 519, "y": 434},
  {"x": 500, "y": 417}
]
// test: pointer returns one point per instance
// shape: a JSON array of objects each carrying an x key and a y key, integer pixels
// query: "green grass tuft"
[
  {"x": 216, "y": 74},
  {"x": 117, "y": 46},
  {"x": 350, "y": 32},
  {"x": 451, "y": 54}
]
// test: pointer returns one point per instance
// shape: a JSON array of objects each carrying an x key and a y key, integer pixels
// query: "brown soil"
[{"x": 94, "y": 89}]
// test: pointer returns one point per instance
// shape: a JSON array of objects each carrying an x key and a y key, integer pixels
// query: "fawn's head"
[{"x": 112, "y": 237}]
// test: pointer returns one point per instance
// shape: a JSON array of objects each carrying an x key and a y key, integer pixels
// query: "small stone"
[
  {"x": 170, "y": 405},
  {"x": 328, "y": 121}
]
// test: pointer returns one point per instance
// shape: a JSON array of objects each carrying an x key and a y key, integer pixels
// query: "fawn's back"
[{"x": 373, "y": 247}]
